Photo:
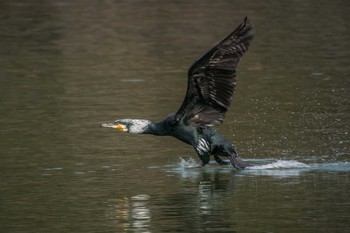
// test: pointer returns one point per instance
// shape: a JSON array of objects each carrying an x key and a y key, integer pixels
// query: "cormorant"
[{"x": 211, "y": 83}]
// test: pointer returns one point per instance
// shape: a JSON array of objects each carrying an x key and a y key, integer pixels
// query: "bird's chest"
[{"x": 186, "y": 134}]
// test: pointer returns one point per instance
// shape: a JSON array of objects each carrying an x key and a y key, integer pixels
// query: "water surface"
[{"x": 66, "y": 67}]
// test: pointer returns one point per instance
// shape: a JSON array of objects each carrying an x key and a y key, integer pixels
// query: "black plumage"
[
  {"x": 212, "y": 79},
  {"x": 211, "y": 84}
]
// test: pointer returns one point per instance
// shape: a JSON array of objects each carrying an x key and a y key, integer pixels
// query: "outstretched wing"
[{"x": 212, "y": 79}]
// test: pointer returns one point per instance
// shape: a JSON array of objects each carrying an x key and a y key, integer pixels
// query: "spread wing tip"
[{"x": 212, "y": 79}]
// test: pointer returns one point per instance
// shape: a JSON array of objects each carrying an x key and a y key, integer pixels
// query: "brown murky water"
[{"x": 66, "y": 67}]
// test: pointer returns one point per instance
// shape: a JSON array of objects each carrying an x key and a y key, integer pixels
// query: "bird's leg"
[
  {"x": 205, "y": 157},
  {"x": 202, "y": 148},
  {"x": 220, "y": 161},
  {"x": 229, "y": 151},
  {"x": 235, "y": 160}
]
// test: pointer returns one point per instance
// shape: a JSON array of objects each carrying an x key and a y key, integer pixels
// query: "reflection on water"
[
  {"x": 217, "y": 198},
  {"x": 67, "y": 66},
  {"x": 131, "y": 213}
]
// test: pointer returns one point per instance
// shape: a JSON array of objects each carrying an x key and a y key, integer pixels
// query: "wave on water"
[
  {"x": 279, "y": 168},
  {"x": 280, "y": 164},
  {"x": 287, "y": 168},
  {"x": 266, "y": 167}
]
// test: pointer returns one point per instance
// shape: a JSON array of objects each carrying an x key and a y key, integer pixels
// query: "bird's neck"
[{"x": 155, "y": 128}]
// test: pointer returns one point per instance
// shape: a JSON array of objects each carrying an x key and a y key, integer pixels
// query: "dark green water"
[{"x": 67, "y": 66}]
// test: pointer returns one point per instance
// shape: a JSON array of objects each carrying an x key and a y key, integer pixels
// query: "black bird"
[{"x": 211, "y": 83}]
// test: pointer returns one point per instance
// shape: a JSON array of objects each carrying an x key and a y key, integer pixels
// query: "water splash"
[
  {"x": 186, "y": 168},
  {"x": 187, "y": 163}
]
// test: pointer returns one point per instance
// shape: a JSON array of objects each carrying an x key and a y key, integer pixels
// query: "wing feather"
[{"x": 212, "y": 79}]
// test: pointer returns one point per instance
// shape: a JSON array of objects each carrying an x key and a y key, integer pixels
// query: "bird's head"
[{"x": 135, "y": 126}]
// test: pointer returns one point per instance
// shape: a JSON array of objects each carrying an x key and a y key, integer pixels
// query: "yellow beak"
[{"x": 121, "y": 127}]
